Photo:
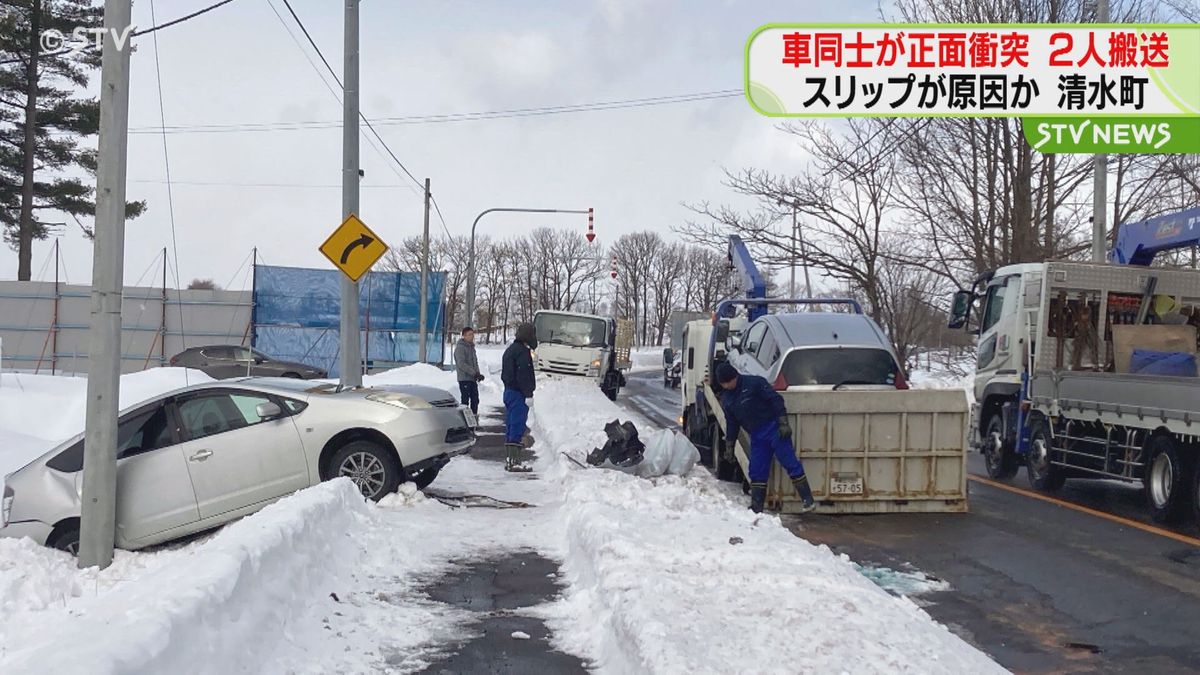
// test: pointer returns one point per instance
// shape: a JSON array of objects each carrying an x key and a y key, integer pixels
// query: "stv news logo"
[{"x": 54, "y": 41}]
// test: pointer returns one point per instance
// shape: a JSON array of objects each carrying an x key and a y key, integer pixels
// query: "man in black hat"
[
  {"x": 750, "y": 402},
  {"x": 517, "y": 375}
]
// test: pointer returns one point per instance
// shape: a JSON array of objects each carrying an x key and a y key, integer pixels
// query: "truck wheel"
[
  {"x": 1042, "y": 474},
  {"x": 611, "y": 386},
  {"x": 1166, "y": 480},
  {"x": 723, "y": 468},
  {"x": 702, "y": 444},
  {"x": 1196, "y": 495},
  {"x": 1001, "y": 461}
]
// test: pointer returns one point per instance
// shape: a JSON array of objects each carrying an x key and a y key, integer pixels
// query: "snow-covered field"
[{"x": 666, "y": 575}]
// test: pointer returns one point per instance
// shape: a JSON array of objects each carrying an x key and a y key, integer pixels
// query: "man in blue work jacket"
[
  {"x": 749, "y": 401},
  {"x": 516, "y": 372}
]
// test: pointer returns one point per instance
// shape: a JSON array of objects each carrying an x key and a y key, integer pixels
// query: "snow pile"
[
  {"x": 39, "y": 411},
  {"x": 671, "y": 575},
  {"x": 209, "y": 614}
]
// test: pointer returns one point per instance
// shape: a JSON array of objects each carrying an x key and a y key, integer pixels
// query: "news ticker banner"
[{"x": 1121, "y": 88}]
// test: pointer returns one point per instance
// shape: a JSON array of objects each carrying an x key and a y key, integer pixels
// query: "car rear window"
[{"x": 834, "y": 365}]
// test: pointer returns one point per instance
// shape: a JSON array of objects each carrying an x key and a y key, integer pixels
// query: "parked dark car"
[{"x": 226, "y": 361}]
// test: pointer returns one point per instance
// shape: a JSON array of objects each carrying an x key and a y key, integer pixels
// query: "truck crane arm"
[
  {"x": 750, "y": 283},
  {"x": 1138, "y": 243}
]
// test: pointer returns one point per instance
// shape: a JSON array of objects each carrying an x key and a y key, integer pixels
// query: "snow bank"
[
  {"x": 673, "y": 576},
  {"x": 39, "y": 411},
  {"x": 207, "y": 612}
]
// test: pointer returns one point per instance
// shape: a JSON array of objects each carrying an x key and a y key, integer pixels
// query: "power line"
[
  {"x": 162, "y": 117},
  {"x": 311, "y": 186},
  {"x": 338, "y": 80},
  {"x": 152, "y": 29},
  {"x": 181, "y": 19},
  {"x": 438, "y": 209},
  {"x": 442, "y": 118},
  {"x": 313, "y": 43}
]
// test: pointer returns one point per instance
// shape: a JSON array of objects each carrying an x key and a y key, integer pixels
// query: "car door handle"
[{"x": 200, "y": 456}]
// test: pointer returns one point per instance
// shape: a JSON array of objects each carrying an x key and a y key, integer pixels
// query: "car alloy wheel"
[{"x": 365, "y": 470}]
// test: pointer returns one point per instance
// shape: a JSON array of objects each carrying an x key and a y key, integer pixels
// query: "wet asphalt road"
[{"x": 1039, "y": 587}]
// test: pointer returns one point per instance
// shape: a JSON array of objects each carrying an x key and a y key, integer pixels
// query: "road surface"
[{"x": 1042, "y": 587}]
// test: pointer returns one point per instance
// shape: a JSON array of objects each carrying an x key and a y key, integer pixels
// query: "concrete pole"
[
  {"x": 99, "y": 507},
  {"x": 351, "y": 359},
  {"x": 1100, "y": 181},
  {"x": 792, "y": 286},
  {"x": 422, "y": 347}
]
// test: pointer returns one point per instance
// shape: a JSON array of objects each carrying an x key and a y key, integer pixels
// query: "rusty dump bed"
[{"x": 894, "y": 451}]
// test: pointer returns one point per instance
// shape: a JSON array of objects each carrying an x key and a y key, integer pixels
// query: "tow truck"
[
  {"x": 1088, "y": 370},
  {"x": 872, "y": 448}
]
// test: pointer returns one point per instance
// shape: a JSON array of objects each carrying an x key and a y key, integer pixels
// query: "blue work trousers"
[
  {"x": 516, "y": 414},
  {"x": 766, "y": 443}
]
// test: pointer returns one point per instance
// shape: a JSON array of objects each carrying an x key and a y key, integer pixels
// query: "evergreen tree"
[{"x": 47, "y": 158}]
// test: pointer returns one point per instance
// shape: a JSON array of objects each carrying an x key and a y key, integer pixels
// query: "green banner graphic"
[{"x": 1113, "y": 135}]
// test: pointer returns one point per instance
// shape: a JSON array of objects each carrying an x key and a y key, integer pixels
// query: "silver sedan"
[{"x": 204, "y": 455}]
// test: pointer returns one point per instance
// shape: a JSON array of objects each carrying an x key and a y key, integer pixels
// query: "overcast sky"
[{"x": 279, "y": 190}]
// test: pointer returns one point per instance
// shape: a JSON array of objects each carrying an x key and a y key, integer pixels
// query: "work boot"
[
  {"x": 801, "y": 484},
  {"x": 512, "y": 461},
  {"x": 758, "y": 496}
]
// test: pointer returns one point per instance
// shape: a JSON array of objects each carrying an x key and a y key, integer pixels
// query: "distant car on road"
[
  {"x": 204, "y": 455},
  {"x": 225, "y": 361}
]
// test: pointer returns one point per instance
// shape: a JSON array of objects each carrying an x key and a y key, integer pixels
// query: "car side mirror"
[
  {"x": 960, "y": 309},
  {"x": 268, "y": 411},
  {"x": 259, "y": 360}
]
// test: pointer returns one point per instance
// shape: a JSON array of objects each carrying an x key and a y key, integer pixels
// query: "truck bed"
[
  {"x": 1142, "y": 401},
  {"x": 908, "y": 449}
]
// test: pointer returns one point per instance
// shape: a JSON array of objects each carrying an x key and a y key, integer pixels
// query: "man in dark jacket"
[
  {"x": 750, "y": 402},
  {"x": 466, "y": 364},
  {"x": 517, "y": 375}
]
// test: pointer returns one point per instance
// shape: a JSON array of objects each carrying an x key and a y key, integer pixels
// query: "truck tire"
[
  {"x": 704, "y": 445},
  {"x": 998, "y": 453},
  {"x": 1166, "y": 480},
  {"x": 723, "y": 468},
  {"x": 611, "y": 385},
  {"x": 1043, "y": 475}
]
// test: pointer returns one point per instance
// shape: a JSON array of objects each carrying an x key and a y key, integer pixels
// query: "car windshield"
[
  {"x": 574, "y": 331},
  {"x": 839, "y": 365}
]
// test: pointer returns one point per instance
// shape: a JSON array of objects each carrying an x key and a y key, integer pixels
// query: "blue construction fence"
[{"x": 297, "y": 312}]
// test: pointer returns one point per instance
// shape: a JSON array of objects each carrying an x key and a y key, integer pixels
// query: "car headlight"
[
  {"x": 6, "y": 506},
  {"x": 405, "y": 401}
]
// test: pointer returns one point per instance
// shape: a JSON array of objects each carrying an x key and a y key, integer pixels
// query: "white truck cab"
[
  {"x": 585, "y": 345},
  {"x": 1003, "y": 329}
]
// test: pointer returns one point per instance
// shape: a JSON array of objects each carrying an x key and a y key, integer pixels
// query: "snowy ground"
[{"x": 670, "y": 575}]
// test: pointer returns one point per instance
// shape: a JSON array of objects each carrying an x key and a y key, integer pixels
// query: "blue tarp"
[
  {"x": 297, "y": 312},
  {"x": 1172, "y": 364}
]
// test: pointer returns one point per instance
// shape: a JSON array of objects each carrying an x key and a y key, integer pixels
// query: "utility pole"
[
  {"x": 351, "y": 360},
  {"x": 99, "y": 508},
  {"x": 424, "y": 321},
  {"x": 1100, "y": 180}
]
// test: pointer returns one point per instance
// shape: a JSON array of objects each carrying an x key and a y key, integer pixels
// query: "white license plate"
[
  {"x": 470, "y": 417},
  {"x": 846, "y": 486}
]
